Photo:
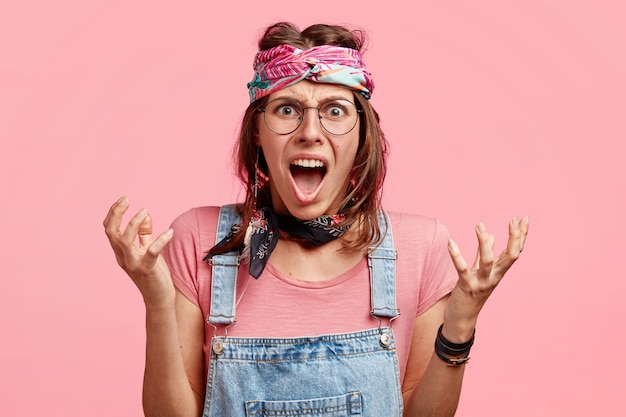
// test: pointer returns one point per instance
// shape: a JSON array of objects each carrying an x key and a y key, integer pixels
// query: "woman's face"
[{"x": 309, "y": 168}]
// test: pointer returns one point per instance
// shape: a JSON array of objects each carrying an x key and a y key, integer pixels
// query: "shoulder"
[
  {"x": 196, "y": 226},
  {"x": 416, "y": 229},
  {"x": 424, "y": 266},
  {"x": 194, "y": 236},
  {"x": 191, "y": 218},
  {"x": 197, "y": 220}
]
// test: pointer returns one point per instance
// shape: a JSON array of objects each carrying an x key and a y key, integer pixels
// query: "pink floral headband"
[{"x": 284, "y": 65}]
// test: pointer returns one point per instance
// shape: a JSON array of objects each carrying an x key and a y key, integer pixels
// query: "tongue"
[{"x": 307, "y": 179}]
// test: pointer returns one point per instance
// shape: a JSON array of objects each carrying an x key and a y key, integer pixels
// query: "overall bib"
[{"x": 337, "y": 375}]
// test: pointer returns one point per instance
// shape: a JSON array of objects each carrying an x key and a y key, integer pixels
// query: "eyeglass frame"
[{"x": 301, "y": 118}]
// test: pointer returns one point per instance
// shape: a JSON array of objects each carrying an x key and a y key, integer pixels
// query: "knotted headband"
[{"x": 284, "y": 65}]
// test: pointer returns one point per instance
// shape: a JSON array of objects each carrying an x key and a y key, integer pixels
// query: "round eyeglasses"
[{"x": 284, "y": 116}]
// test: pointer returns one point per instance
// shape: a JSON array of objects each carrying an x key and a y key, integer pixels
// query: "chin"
[
  {"x": 305, "y": 213},
  {"x": 304, "y": 210},
  {"x": 312, "y": 211}
]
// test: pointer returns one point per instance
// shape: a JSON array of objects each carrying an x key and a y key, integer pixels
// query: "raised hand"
[
  {"x": 139, "y": 254},
  {"x": 476, "y": 283}
]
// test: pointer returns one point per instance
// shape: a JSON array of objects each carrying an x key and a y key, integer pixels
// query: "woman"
[{"x": 289, "y": 304}]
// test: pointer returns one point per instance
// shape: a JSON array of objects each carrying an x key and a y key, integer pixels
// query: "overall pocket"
[{"x": 341, "y": 406}]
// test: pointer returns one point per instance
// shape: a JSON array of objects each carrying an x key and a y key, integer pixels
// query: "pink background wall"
[{"x": 492, "y": 110}]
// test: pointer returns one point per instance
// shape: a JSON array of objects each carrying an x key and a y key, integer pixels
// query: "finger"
[
  {"x": 457, "y": 257},
  {"x": 476, "y": 263},
  {"x": 524, "y": 229},
  {"x": 514, "y": 245},
  {"x": 145, "y": 232},
  {"x": 113, "y": 220},
  {"x": 130, "y": 234},
  {"x": 485, "y": 249},
  {"x": 155, "y": 249},
  {"x": 490, "y": 243},
  {"x": 517, "y": 235}
]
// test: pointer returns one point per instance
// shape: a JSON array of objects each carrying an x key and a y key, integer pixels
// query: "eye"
[
  {"x": 284, "y": 109},
  {"x": 334, "y": 110},
  {"x": 287, "y": 110}
]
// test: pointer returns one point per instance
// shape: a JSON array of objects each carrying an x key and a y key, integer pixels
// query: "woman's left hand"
[{"x": 476, "y": 283}]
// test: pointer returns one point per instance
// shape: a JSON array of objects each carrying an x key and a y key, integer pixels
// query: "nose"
[{"x": 311, "y": 126}]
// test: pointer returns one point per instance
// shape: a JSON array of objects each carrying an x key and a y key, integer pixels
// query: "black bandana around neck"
[{"x": 266, "y": 227}]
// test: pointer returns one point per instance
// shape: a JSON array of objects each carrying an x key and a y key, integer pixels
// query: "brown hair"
[{"x": 362, "y": 201}]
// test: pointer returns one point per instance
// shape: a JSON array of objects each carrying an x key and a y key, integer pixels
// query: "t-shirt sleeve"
[
  {"x": 440, "y": 275},
  {"x": 181, "y": 255}
]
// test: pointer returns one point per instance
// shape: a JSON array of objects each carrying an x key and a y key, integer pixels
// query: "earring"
[{"x": 252, "y": 225}]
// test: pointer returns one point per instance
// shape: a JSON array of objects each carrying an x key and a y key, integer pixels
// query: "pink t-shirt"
[{"x": 277, "y": 305}]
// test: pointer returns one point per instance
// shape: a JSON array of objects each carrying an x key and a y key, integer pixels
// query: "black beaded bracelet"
[{"x": 454, "y": 354}]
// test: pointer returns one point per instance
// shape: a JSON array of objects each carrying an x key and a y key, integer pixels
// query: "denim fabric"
[
  {"x": 223, "y": 291},
  {"x": 341, "y": 375},
  {"x": 349, "y": 404},
  {"x": 382, "y": 266},
  {"x": 338, "y": 375}
]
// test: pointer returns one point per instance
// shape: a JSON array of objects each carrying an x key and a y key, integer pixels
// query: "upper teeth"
[{"x": 308, "y": 163}]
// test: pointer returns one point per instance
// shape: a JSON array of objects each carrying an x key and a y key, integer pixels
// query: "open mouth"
[{"x": 307, "y": 174}]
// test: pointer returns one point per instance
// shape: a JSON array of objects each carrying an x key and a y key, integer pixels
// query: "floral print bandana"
[
  {"x": 284, "y": 65},
  {"x": 266, "y": 227}
]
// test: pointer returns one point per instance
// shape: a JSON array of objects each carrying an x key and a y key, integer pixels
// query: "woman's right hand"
[{"x": 143, "y": 263}]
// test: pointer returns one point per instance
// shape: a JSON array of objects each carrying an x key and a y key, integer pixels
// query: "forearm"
[
  {"x": 166, "y": 390},
  {"x": 438, "y": 392}
]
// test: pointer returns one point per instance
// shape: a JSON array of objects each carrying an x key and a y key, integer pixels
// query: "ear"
[{"x": 255, "y": 135}]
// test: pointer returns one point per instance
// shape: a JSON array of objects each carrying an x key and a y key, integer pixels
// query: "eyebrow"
[{"x": 323, "y": 100}]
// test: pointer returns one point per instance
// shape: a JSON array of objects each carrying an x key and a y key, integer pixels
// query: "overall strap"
[
  {"x": 224, "y": 269},
  {"x": 381, "y": 260}
]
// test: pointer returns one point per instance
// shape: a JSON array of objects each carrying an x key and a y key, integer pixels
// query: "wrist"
[
  {"x": 159, "y": 298},
  {"x": 453, "y": 353},
  {"x": 161, "y": 308},
  {"x": 458, "y": 332}
]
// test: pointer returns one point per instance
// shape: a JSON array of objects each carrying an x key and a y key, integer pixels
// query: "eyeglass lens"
[{"x": 284, "y": 116}]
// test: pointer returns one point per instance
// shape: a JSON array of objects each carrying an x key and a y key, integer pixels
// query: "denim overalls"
[{"x": 338, "y": 375}]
